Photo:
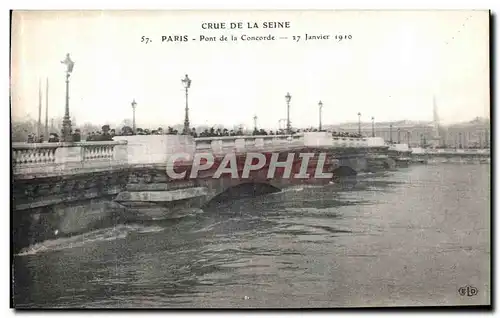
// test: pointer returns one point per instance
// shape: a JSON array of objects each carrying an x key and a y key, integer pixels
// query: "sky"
[{"x": 392, "y": 67}]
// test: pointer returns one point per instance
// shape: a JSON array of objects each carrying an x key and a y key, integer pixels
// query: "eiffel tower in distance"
[{"x": 436, "y": 129}]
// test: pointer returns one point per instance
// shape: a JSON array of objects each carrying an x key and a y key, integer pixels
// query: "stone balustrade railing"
[
  {"x": 33, "y": 154},
  {"x": 281, "y": 142},
  {"x": 238, "y": 144},
  {"x": 98, "y": 152},
  {"x": 28, "y": 158},
  {"x": 400, "y": 148},
  {"x": 349, "y": 142}
]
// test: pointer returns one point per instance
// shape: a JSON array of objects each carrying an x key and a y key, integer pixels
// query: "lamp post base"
[
  {"x": 66, "y": 131},
  {"x": 186, "y": 130}
]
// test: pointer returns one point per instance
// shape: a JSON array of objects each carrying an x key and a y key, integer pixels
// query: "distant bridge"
[{"x": 452, "y": 155}]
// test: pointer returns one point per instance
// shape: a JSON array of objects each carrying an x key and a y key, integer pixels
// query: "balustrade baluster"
[
  {"x": 24, "y": 156},
  {"x": 40, "y": 156},
  {"x": 53, "y": 154},
  {"x": 31, "y": 158}
]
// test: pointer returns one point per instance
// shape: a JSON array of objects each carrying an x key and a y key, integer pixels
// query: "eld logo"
[{"x": 467, "y": 291}]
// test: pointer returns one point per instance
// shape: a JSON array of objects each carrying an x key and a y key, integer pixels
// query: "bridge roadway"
[{"x": 62, "y": 189}]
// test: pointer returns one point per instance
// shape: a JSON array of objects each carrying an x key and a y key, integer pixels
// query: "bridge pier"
[{"x": 65, "y": 219}]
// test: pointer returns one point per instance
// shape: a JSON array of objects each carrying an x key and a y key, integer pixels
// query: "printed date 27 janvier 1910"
[{"x": 246, "y": 38}]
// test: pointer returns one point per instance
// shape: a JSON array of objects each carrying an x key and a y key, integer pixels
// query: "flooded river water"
[{"x": 408, "y": 237}]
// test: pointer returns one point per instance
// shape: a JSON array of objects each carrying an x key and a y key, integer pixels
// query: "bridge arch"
[
  {"x": 344, "y": 171},
  {"x": 242, "y": 190}
]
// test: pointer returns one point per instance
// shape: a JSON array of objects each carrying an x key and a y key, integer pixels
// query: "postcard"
[{"x": 250, "y": 159}]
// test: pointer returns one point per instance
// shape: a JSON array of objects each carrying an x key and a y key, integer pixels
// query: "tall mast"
[
  {"x": 435, "y": 117},
  {"x": 39, "y": 127},
  {"x": 47, "y": 108}
]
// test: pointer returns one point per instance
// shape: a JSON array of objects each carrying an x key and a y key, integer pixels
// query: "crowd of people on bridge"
[
  {"x": 107, "y": 133},
  {"x": 33, "y": 138},
  {"x": 345, "y": 134},
  {"x": 212, "y": 132}
]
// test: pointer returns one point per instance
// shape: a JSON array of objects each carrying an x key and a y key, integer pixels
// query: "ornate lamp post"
[
  {"x": 66, "y": 129},
  {"x": 288, "y": 97},
  {"x": 390, "y": 133},
  {"x": 187, "y": 84},
  {"x": 320, "y": 104},
  {"x": 255, "y": 122},
  {"x": 399, "y": 135},
  {"x": 359, "y": 123},
  {"x": 373, "y": 126},
  {"x": 134, "y": 104}
]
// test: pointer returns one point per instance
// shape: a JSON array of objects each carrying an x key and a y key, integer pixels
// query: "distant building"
[
  {"x": 475, "y": 133},
  {"x": 413, "y": 133},
  {"x": 472, "y": 134}
]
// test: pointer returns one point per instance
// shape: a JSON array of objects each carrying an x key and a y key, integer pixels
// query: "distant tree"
[
  {"x": 127, "y": 122},
  {"x": 127, "y": 131},
  {"x": 88, "y": 128},
  {"x": 21, "y": 130}
]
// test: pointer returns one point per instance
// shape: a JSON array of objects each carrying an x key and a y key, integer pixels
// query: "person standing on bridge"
[
  {"x": 54, "y": 137},
  {"x": 77, "y": 136},
  {"x": 105, "y": 134}
]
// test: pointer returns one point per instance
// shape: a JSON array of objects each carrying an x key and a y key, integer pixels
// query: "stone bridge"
[
  {"x": 451, "y": 155},
  {"x": 70, "y": 188}
]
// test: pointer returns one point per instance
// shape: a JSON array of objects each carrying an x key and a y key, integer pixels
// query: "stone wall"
[{"x": 44, "y": 208}]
